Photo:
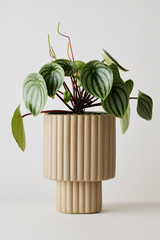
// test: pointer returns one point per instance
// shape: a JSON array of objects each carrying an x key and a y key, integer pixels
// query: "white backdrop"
[{"x": 130, "y": 31}]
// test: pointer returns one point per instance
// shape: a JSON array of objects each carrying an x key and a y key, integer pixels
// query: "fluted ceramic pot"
[{"x": 79, "y": 153}]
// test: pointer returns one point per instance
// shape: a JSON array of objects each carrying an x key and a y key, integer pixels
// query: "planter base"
[{"x": 78, "y": 197}]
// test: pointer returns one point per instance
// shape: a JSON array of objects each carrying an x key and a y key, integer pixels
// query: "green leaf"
[
  {"x": 18, "y": 129},
  {"x": 34, "y": 93},
  {"x": 68, "y": 66},
  {"x": 97, "y": 78},
  {"x": 51, "y": 52},
  {"x": 125, "y": 120},
  {"x": 116, "y": 102},
  {"x": 109, "y": 60},
  {"x": 53, "y": 75},
  {"x": 80, "y": 66},
  {"x": 144, "y": 106},
  {"x": 116, "y": 74},
  {"x": 129, "y": 84},
  {"x": 67, "y": 96}
]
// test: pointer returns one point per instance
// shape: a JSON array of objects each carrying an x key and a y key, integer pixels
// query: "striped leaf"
[
  {"x": 97, "y": 78},
  {"x": 18, "y": 129},
  {"x": 124, "y": 122},
  {"x": 116, "y": 102},
  {"x": 109, "y": 60},
  {"x": 116, "y": 74},
  {"x": 34, "y": 93},
  {"x": 144, "y": 106},
  {"x": 129, "y": 84},
  {"x": 53, "y": 75},
  {"x": 68, "y": 66}
]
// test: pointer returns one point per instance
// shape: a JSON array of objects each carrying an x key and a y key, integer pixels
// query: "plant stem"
[
  {"x": 69, "y": 44},
  {"x": 64, "y": 102},
  {"x": 60, "y": 92},
  {"x": 93, "y": 105},
  {"x": 133, "y": 98},
  {"x": 72, "y": 98},
  {"x": 89, "y": 100},
  {"x": 50, "y": 111}
]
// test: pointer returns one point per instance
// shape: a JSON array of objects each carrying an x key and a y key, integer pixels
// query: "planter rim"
[{"x": 83, "y": 114}]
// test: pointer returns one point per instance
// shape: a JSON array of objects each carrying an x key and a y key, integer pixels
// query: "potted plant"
[{"x": 79, "y": 146}]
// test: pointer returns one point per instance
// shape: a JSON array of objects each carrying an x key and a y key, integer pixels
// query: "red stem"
[
  {"x": 69, "y": 44},
  {"x": 50, "y": 111},
  {"x": 93, "y": 105},
  {"x": 64, "y": 102},
  {"x": 133, "y": 98}
]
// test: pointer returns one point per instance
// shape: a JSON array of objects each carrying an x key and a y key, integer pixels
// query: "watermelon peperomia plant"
[{"x": 96, "y": 83}]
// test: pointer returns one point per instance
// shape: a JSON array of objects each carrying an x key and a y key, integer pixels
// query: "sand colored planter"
[{"x": 79, "y": 153}]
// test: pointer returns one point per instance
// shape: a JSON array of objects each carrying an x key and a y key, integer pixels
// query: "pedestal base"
[{"x": 78, "y": 197}]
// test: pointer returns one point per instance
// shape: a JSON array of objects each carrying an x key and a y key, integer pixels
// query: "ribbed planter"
[{"x": 79, "y": 153}]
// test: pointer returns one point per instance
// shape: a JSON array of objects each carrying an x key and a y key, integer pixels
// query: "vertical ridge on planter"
[
  {"x": 54, "y": 146},
  {"x": 87, "y": 147},
  {"x": 73, "y": 158},
  {"x": 114, "y": 147},
  {"x": 80, "y": 148},
  {"x": 60, "y": 141},
  {"x": 67, "y": 132},
  {"x": 111, "y": 141},
  {"x": 106, "y": 147},
  {"x": 94, "y": 152},
  {"x": 100, "y": 147},
  {"x": 75, "y": 197},
  {"x": 49, "y": 145},
  {"x": 88, "y": 197}
]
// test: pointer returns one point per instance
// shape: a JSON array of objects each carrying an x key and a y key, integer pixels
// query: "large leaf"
[
  {"x": 124, "y": 122},
  {"x": 97, "y": 78},
  {"x": 18, "y": 129},
  {"x": 53, "y": 75},
  {"x": 109, "y": 60},
  {"x": 116, "y": 102},
  {"x": 68, "y": 66},
  {"x": 34, "y": 93},
  {"x": 144, "y": 106}
]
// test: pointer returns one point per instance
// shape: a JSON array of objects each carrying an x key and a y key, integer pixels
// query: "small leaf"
[
  {"x": 34, "y": 93},
  {"x": 67, "y": 96},
  {"x": 144, "y": 106},
  {"x": 125, "y": 120},
  {"x": 129, "y": 84},
  {"x": 109, "y": 60},
  {"x": 116, "y": 102},
  {"x": 80, "y": 66},
  {"x": 53, "y": 75},
  {"x": 18, "y": 129},
  {"x": 68, "y": 66}
]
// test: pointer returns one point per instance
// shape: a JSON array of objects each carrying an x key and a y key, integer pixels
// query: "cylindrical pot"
[{"x": 79, "y": 152}]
